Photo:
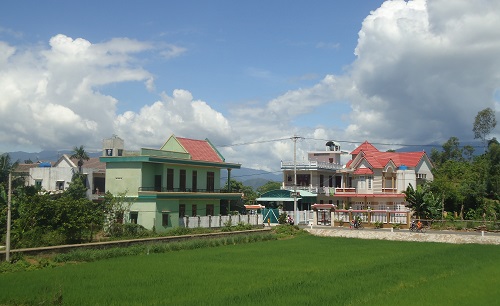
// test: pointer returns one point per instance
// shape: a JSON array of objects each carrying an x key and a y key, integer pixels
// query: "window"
[
  {"x": 210, "y": 209},
  {"x": 164, "y": 219},
  {"x": 193, "y": 210},
  {"x": 370, "y": 180},
  {"x": 421, "y": 175},
  {"x": 182, "y": 182},
  {"x": 182, "y": 210},
  {"x": 195, "y": 180},
  {"x": 170, "y": 179},
  {"x": 210, "y": 181},
  {"x": 38, "y": 184},
  {"x": 321, "y": 179},
  {"x": 133, "y": 217},
  {"x": 60, "y": 185}
]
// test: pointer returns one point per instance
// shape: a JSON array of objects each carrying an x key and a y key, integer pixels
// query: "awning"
[
  {"x": 250, "y": 207},
  {"x": 270, "y": 199}
]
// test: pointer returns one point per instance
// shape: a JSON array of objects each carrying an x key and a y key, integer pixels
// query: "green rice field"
[{"x": 305, "y": 270}]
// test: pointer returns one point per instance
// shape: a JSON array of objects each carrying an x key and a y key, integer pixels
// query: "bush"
[
  {"x": 378, "y": 224},
  {"x": 285, "y": 230},
  {"x": 282, "y": 218}
]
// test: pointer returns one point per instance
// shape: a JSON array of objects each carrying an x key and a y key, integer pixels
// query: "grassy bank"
[{"x": 300, "y": 271}]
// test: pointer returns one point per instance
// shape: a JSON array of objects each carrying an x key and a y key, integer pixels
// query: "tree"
[
  {"x": 115, "y": 207},
  {"x": 424, "y": 203},
  {"x": 80, "y": 154},
  {"x": 270, "y": 185},
  {"x": 451, "y": 151},
  {"x": 484, "y": 123}
]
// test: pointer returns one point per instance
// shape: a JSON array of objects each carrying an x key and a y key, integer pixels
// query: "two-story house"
[
  {"x": 377, "y": 179},
  {"x": 315, "y": 177},
  {"x": 182, "y": 178}
]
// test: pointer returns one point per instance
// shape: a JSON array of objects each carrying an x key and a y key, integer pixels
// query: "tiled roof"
[
  {"x": 24, "y": 168},
  {"x": 363, "y": 171},
  {"x": 379, "y": 159},
  {"x": 93, "y": 163},
  {"x": 200, "y": 150}
]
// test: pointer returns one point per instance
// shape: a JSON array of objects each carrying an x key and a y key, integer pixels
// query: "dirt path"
[{"x": 405, "y": 235}]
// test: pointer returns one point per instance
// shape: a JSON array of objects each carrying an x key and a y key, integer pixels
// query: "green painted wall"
[
  {"x": 152, "y": 169},
  {"x": 150, "y": 212},
  {"x": 121, "y": 177}
]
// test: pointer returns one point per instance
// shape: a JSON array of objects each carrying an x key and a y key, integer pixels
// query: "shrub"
[
  {"x": 378, "y": 224},
  {"x": 285, "y": 230},
  {"x": 282, "y": 218}
]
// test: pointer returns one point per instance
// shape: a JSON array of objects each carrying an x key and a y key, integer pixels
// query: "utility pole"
[
  {"x": 7, "y": 238},
  {"x": 295, "y": 212}
]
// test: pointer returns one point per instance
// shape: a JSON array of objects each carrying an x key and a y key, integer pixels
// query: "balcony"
[
  {"x": 165, "y": 189},
  {"x": 309, "y": 165}
]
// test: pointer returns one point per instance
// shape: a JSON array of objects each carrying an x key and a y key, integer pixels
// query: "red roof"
[
  {"x": 363, "y": 171},
  {"x": 379, "y": 159},
  {"x": 200, "y": 150}
]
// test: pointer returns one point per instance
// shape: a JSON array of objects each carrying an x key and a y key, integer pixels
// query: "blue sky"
[{"x": 245, "y": 71}]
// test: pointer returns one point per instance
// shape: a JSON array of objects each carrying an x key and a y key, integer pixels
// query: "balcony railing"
[
  {"x": 343, "y": 191},
  {"x": 311, "y": 164},
  {"x": 164, "y": 189}
]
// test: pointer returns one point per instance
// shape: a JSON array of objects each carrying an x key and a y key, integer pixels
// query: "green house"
[{"x": 182, "y": 178}]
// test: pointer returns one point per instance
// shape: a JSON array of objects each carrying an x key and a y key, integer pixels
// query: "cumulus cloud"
[
  {"x": 423, "y": 70},
  {"x": 49, "y": 95},
  {"x": 178, "y": 114}
]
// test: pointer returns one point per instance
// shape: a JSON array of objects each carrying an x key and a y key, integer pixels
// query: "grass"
[{"x": 305, "y": 270}]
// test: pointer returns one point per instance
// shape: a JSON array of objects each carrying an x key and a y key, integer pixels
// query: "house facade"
[
  {"x": 165, "y": 185},
  {"x": 376, "y": 180},
  {"x": 371, "y": 181},
  {"x": 316, "y": 177},
  {"x": 56, "y": 177}
]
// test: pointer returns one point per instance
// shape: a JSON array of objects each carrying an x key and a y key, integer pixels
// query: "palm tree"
[
  {"x": 80, "y": 154},
  {"x": 6, "y": 166}
]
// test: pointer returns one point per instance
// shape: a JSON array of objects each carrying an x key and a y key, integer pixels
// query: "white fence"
[
  {"x": 303, "y": 216},
  {"x": 220, "y": 221}
]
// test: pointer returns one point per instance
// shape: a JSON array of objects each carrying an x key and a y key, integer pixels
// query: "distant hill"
[
  {"x": 47, "y": 155},
  {"x": 252, "y": 177}
]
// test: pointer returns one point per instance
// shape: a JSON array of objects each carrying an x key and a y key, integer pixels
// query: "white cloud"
[
  {"x": 178, "y": 114},
  {"x": 422, "y": 72},
  {"x": 49, "y": 95}
]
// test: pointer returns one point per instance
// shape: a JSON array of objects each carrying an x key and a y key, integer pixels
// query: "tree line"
[{"x": 466, "y": 185}]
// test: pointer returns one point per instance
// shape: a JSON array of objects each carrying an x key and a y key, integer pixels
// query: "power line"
[
  {"x": 252, "y": 142},
  {"x": 344, "y": 141}
]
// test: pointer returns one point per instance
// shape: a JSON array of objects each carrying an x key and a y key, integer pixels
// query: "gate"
[
  {"x": 271, "y": 214},
  {"x": 324, "y": 217}
]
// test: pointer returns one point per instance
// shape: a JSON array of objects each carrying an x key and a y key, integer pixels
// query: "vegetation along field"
[{"x": 305, "y": 270}]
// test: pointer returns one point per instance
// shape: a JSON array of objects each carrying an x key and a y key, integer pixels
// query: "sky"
[{"x": 247, "y": 75}]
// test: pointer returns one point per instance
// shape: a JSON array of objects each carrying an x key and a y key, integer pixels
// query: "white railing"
[{"x": 311, "y": 164}]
